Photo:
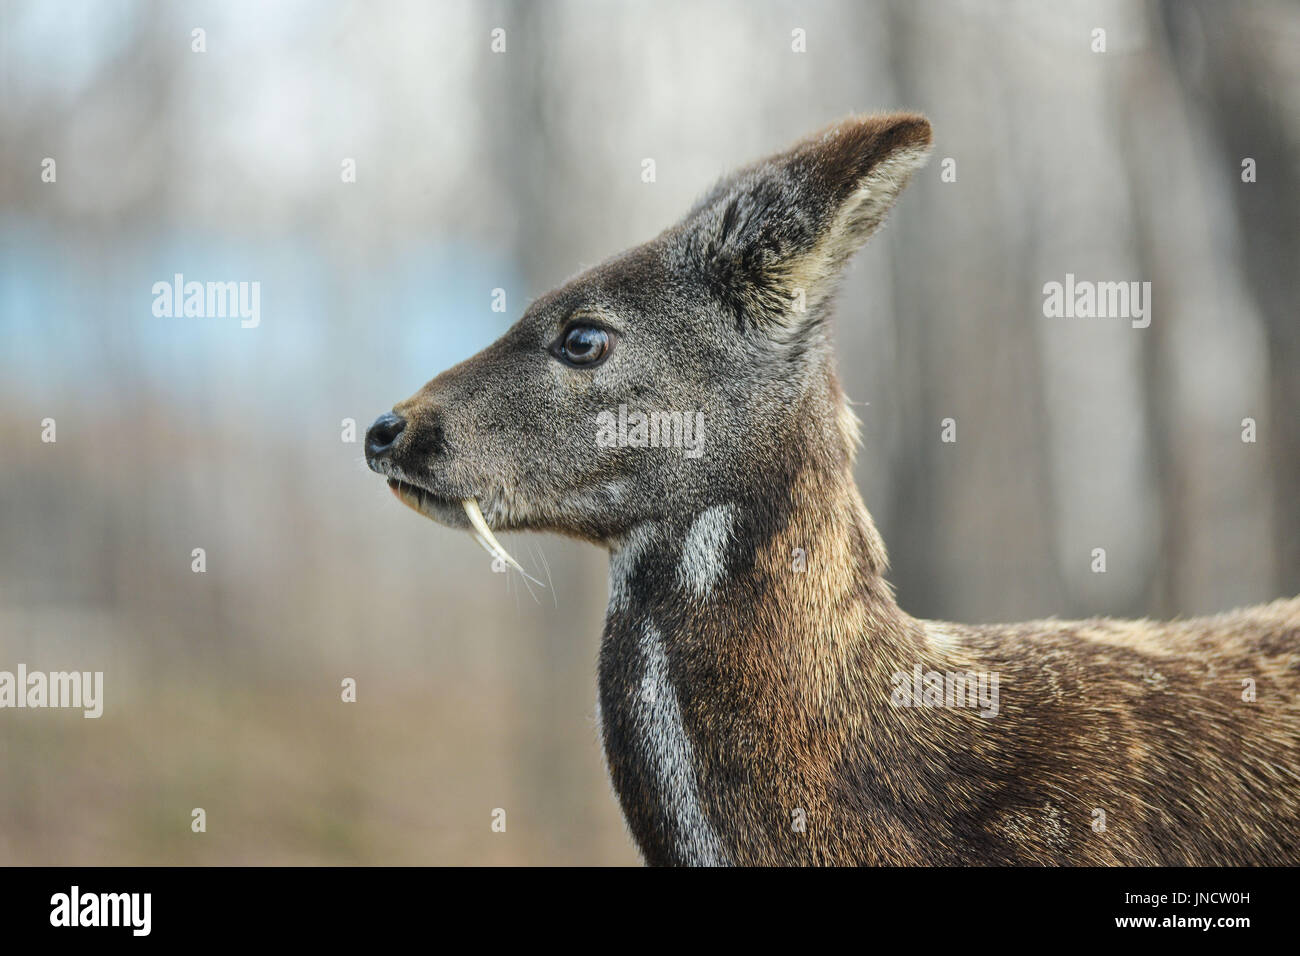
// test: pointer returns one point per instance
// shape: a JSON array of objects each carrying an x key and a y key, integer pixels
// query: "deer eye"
[{"x": 582, "y": 345}]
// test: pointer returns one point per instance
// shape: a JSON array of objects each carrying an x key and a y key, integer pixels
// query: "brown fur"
[{"x": 1143, "y": 721}]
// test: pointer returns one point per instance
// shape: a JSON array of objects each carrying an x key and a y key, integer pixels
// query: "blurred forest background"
[{"x": 478, "y": 170}]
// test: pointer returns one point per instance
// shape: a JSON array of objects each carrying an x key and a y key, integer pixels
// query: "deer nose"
[{"x": 381, "y": 435}]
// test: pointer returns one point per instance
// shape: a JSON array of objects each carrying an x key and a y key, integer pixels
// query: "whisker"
[{"x": 546, "y": 566}]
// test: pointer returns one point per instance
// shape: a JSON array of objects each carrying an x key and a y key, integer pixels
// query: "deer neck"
[{"x": 732, "y": 635}]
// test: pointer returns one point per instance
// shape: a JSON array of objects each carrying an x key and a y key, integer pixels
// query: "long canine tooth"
[
  {"x": 501, "y": 555},
  {"x": 488, "y": 540},
  {"x": 486, "y": 547}
]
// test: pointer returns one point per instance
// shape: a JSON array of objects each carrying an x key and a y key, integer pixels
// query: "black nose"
[{"x": 381, "y": 435}]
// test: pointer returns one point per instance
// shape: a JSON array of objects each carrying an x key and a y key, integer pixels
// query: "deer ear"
[{"x": 772, "y": 238}]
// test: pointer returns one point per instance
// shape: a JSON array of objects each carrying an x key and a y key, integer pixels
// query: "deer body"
[
  {"x": 727, "y": 711},
  {"x": 753, "y": 652}
]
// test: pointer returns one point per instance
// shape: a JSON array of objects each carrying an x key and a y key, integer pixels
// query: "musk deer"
[{"x": 756, "y": 712}]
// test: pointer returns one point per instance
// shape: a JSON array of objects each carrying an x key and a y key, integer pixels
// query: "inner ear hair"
[
  {"x": 773, "y": 238},
  {"x": 856, "y": 170}
]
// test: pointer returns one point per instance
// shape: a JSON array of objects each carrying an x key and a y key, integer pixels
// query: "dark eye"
[{"x": 583, "y": 345}]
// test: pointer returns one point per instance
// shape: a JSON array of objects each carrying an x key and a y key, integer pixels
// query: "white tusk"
[
  {"x": 486, "y": 547},
  {"x": 488, "y": 540}
]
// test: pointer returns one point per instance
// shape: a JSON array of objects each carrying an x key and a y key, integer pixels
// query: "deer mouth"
[
  {"x": 457, "y": 513},
  {"x": 441, "y": 508}
]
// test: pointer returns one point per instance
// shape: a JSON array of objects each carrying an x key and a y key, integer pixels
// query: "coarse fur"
[{"x": 752, "y": 646}]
